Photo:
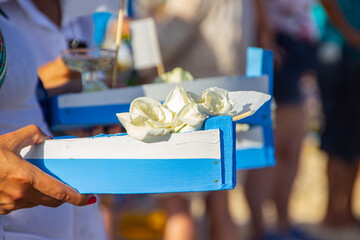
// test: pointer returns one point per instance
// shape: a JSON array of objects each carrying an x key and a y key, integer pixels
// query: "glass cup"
[{"x": 89, "y": 61}]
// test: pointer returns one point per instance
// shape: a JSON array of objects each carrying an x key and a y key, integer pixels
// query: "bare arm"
[
  {"x": 58, "y": 78},
  {"x": 338, "y": 19},
  {"x": 264, "y": 29}
]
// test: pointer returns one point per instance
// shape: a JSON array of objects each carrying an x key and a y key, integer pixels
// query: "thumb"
[{"x": 25, "y": 136}]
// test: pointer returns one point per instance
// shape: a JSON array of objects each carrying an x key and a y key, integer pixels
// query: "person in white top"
[
  {"x": 19, "y": 108},
  {"x": 49, "y": 30}
]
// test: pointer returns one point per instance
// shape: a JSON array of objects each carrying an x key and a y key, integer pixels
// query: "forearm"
[
  {"x": 336, "y": 17},
  {"x": 262, "y": 22},
  {"x": 265, "y": 32},
  {"x": 69, "y": 87}
]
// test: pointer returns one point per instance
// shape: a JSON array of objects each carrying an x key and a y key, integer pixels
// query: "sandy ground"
[
  {"x": 307, "y": 204},
  {"x": 308, "y": 199}
]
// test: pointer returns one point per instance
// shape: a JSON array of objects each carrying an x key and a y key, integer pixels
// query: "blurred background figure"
[
  {"x": 206, "y": 38},
  {"x": 287, "y": 28},
  {"x": 339, "y": 80}
]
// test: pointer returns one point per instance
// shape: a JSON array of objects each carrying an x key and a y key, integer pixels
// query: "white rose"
[
  {"x": 177, "y": 99},
  {"x": 181, "y": 112},
  {"x": 189, "y": 118},
  {"x": 196, "y": 98},
  {"x": 217, "y": 102},
  {"x": 177, "y": 75},
  {"x": 147, "y": 117}
]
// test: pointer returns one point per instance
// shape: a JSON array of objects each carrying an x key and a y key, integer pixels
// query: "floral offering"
[{"x": 181, "y": 112}]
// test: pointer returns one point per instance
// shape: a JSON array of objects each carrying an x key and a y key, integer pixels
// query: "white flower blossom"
[
  {"x": 190, "y": 118},
  {"x": 181, "y": 112},
  {"x": 196, "y": 98},
  {"x": 217, "y": 102},
  {"x": 177, "y": 75},
  {"x": 177, "y": 99},
  {"x": 147, "y": 117}
]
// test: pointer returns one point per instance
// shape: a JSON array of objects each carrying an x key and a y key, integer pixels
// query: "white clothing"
[
  {"x": 18, "y": 103},
  {"x": 47, "y": 39},
  {"x": 18, "y": 108},
  {"x": 66, "y": 222}
]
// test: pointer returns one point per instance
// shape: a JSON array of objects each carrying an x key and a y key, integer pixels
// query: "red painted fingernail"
[
  {"x": 50, "y": 137},
  {"x": 91, "y": 200}
]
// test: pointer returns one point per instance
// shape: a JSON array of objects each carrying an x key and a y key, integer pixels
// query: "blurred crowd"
[{"x": 316, "y": 45}]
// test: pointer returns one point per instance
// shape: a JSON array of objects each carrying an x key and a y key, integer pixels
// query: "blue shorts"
[{"x": 299, "y": 57}]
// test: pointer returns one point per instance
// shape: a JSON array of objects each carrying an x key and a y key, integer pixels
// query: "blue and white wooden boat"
[{"x": 118, "y": 164}]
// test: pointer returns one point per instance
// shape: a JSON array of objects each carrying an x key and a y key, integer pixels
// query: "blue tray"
[{"x": 117, "y": 164}]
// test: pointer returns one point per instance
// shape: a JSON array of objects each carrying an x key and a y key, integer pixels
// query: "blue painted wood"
[
  {"x": 269, "y": 144},
  {"x": 93, "y": 114},
  {"x": 260, "y": 117},
  {"x": 259, "y": 63},
  {"x": 228, "y": 151},
  {"x": 130, "y": 176},
  {"x": 82, "y": 117},
  {"x": 254, "y": 158}
]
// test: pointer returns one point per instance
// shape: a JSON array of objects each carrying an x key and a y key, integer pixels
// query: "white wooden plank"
[{"x": 197, "y": 145}]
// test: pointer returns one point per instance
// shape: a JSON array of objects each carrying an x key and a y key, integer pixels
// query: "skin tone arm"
[
  {"x": 57, "y": 78},
  {"x": 23, "y": 185},
  {"x": 265, "y": 31},
  {"x": 338, "y": 19},
  {"x": 51, "y": 8}
]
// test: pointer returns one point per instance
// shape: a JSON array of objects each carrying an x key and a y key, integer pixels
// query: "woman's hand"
[
  {"x": 58, "y": 78},
  {"x": 55, "y": 74},
  {"x": 23, "y": 185}
]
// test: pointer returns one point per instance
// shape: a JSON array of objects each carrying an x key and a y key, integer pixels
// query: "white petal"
[
  {"x": 142, "y": 132},
  {"x": 177, "y": 99},
  {"x": 217, "y": 102},
  {"x": 196, "y": 98},
  {"x": 190, "y": 116},
  {"x": 151, "y": 110}
]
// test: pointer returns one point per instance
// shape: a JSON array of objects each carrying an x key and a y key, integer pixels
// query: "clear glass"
[{"x": 89, "y": 61}]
